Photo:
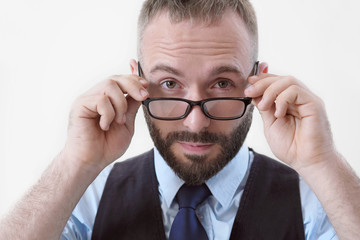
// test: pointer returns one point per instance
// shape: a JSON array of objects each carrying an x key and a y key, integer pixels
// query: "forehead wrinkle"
[
  {"x": 194, "y": 43},
  {"x": 198, "y": 46},
  {"x": 163, "y": 51}
]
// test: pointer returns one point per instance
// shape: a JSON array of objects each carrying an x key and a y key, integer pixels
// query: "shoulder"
[
  {"x": 272, "y": 167},
  {"x": 82, "y": 218},
  {"x": 133, "y": 167}
]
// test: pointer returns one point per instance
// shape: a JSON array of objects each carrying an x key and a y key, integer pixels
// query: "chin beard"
[{"x": 200, "y": 168}]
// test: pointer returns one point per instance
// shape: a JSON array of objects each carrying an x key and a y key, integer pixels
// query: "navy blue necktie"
[{"x": 186, "y": 225}]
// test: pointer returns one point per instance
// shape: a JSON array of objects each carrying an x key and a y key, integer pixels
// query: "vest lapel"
[
  {"x": 130, "y": 206},
  {"x": 270, "y": 206}
]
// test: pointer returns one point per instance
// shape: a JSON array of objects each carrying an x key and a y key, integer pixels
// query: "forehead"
[{"x": 190, "y": 42}]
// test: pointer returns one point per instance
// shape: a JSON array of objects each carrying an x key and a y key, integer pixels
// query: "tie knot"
[{"x": 192, "y": 196}]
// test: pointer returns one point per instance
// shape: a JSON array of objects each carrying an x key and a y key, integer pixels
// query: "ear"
[
  {"x": 263, "y": 68},
  {"x": 133, "y": 67}
]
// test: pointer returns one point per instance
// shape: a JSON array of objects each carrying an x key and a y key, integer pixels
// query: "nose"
[{"x": 196, "y": 121}]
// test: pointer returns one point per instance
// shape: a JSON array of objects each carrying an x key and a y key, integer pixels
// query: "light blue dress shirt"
[{"x": 216, "y": 214}]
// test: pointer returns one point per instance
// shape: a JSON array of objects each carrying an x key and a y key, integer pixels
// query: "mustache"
[{"x": 202, "y": 137}]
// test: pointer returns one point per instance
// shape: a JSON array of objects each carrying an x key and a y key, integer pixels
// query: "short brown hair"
[{"x": 207, "y": 11}]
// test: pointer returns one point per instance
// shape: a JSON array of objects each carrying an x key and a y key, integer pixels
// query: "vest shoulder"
[
  {"x": 133, "y": 168},
  {"x": 272, "y": 165},
  {"x": 134, "y": 162}
]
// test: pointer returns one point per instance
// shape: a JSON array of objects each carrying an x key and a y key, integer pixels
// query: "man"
[{"x": 197, "y": 74}]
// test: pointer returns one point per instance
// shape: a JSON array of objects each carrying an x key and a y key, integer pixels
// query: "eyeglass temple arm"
[
  {"x": 140, "y": 71},
  {"x": 255, "y": 70}
]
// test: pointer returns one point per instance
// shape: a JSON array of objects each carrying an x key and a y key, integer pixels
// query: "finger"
[
  {"x": 106, "y": 112},
  {"x": 257, "y": 89},
  {"x": 255, "y": 78},
  {"x": 272, "y": 91},
  {"x": 117, "y": 99},
  {"x": 296, "y": 101},
  {"x": 132, "y": 85},
  {"x": 268, "y": 115},
  {"x": 133, "y": 107},
  {"x": 144, "y": 82}
]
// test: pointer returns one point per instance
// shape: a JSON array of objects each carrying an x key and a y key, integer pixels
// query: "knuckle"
[
  {"x": 280, "y": 98},
  {"x": 110, "y": 83},
  {"x": 290, "y": 78},
  {"x": 102, "y": 98},
  {"x": 115, "y": 77},
  {"x": 294, "y": 88}
]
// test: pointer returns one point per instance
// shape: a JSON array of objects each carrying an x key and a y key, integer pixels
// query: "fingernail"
[{"x": 143, "y": 93}]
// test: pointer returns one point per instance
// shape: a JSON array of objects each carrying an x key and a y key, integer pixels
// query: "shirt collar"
[
  {"x": 169, "y": 182},
  {"x": 222, "y": 186}
]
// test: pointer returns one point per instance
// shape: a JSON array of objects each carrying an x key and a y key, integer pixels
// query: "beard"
[{"x": 200, "y": 168}]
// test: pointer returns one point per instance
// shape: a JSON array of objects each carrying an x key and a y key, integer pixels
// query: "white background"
[{"x": 52, "y": 51}]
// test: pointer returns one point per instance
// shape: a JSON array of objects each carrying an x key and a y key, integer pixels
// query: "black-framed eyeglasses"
[{"x": 224, "y": 108}]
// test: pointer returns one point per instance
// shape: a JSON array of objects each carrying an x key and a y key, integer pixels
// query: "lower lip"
[{"x": 196, "y": 148}]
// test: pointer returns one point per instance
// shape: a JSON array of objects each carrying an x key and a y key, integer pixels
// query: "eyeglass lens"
[{"x": 224, "y": 108}]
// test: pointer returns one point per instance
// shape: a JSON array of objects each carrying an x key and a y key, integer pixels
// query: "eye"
[
  {"x": 223, "y": 84},
  {"x": 170, "y": 84}
]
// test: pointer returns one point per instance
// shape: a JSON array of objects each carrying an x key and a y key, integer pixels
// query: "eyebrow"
[
  {"x": 166, "y": 68},
  {"x": 227, "y": 69}
]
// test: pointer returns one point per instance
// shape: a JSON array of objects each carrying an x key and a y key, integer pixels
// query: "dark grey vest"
[{"x": 270, "y": 206}]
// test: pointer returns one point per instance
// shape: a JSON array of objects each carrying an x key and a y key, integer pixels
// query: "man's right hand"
[
  {"x": 101, "y": 122},
  {"x": 100, "y": 130}
]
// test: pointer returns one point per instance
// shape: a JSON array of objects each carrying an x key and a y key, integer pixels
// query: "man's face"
[{"x": 196, "y": 61}]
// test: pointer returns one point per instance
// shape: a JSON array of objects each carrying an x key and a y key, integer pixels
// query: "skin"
[
  {"x": 102, "y": 125},
  {"x": 185, "y": 58}
]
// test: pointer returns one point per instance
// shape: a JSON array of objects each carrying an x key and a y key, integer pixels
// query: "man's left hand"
[{"x": 295, "y": 122}]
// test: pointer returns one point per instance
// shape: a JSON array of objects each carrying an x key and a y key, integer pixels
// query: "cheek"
[
  {"x": 224, "y": 127},
  {"x": 167, "y": 127}
]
